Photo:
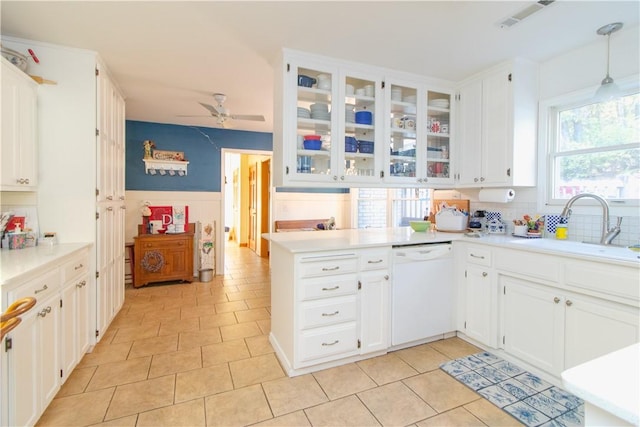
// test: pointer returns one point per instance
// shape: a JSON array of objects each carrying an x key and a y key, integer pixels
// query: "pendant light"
[{"x": 608, "y": 89}]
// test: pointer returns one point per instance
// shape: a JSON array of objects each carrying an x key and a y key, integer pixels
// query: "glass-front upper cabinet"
[
  {"x": 438, "y": 129},
  {"x": 362, "y": 127},
  {"x": 402, "y": 138},
  {"x": 316, "y": 122}
]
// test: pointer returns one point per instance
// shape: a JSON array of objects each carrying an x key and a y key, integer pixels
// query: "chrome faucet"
[{"x": 607, "y": 234}]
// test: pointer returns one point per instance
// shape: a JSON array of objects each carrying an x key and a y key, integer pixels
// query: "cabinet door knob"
[
  {"x": 335, "y": 177},
  {"x": 475, "y": 179},
  {"x": 481, "y": 179},
  {"x": 342, "y": 177},
  {"x": 109, "y": 197},
  {"x": 569, "y": 303},
  {"x": 386, "y": 277},
  {"x": 556, "y": 300},
  {"x": 26, "y": 181},
  {"x": 110, "y": 208},
  {"x": 484, "y": 274}
]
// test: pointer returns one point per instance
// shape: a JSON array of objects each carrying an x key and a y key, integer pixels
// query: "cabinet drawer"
[
  {"x": 529, "y": 264},
  {"x": 327, "y": 265},
  {"x": 374, "y": 260},
  {"x": 328, "y": 311},
  {"x": 605, "y": 278},
  {"x": 78, "y": 266},
  {"x": 154, "y": 243},
  {"x": 479, "y": 256},
  {"x": 329, "y": 341},
  {"x": 325, "y": 287},
  {"x": 39, "y": 288}
]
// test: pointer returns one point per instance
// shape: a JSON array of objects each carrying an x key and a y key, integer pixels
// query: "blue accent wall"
[{"x": 202, "y": 148}]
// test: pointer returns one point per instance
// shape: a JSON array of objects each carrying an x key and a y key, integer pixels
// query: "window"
[
  {"x": 594, "y": 147},
  {"x": 392, "y": 207}
]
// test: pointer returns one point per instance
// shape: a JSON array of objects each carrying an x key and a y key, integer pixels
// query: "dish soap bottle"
[{"x": 561, "y": 231}]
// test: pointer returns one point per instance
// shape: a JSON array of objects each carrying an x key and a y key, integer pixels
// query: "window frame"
[{"x": 547, "y": 128}]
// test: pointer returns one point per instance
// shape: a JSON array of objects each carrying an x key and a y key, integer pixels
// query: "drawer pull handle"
[
  {"x": 44, "y": 311},
  {"x": 44, "y": 288},
  {"x": 330, "y": 314},
  {"x": 77, "y": 267},
  {"x": 476, "y": 256},
  {"x": 375, "y": 262},
  {"x": 331, "y": 268},
  {"x": 326, "y": 344},
  {"x": 81, "y": 284},
  {"x": 331, "y": 289}
]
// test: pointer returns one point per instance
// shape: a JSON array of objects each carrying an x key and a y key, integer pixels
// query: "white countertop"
[
  {"x": 610, "y": 382},
  {"x": 15, "y": 263},
  {"x": 311, "y": 241}
]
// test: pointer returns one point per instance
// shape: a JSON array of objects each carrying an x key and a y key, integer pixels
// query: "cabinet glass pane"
[
  {"x": 314, "y": 105},
  {"x": 438, "y": 141},
  {"x": 403, "y": 131},
  {"x": 359, "y": 131}
]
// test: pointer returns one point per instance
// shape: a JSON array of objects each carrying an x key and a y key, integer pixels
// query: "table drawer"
[
  {"x": 311, "y": 266},
  {"x": 374, "y": 260},
  {"x": 328, "y": 287},
  {"x": 39, "y": 288},
  {"x": 479, "y": 256},
  {"x": 78, "y": 266},
  {"x": 328, "y": 312},
  {"x": 337, "y": 340}
]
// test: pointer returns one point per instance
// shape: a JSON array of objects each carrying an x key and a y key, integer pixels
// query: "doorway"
[{"x": 246, "y": 175}]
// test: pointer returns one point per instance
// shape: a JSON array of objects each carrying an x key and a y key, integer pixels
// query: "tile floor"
[{"x": 198, "y": 355}]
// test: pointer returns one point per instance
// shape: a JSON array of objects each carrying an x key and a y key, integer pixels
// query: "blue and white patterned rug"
[{"x": 530, "y": 399}]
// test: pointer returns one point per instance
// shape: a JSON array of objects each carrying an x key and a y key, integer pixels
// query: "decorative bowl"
[
  {"x": 420, "y": 225},
  {"x": 312, "y": 144},
  {"x": 365, "y": 146},
  {"x": 364, "y": 117},
  {"x": 308, "y": 137}
]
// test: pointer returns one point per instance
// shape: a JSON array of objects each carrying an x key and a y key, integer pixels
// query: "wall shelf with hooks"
[{"x": 164, "y": 167}]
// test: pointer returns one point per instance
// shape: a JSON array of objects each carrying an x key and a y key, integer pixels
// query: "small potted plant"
[{"x": 534, "y": 225}]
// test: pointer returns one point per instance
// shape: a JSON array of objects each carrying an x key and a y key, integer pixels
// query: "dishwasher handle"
[{"x": 422, "y": 254}]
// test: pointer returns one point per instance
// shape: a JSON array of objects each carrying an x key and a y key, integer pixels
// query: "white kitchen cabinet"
[
  {"x": 480, "y": 299},
  {"x": 19, "y": 160},
  {"x": 375, "y": 300},
  {"x": 497, "y": 122},
  {"x": 84, "y": 169},
  {"x": 405, "y": 151}
]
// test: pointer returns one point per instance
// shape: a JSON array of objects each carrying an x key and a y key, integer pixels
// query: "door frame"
[{"x": 223, "y": 153}]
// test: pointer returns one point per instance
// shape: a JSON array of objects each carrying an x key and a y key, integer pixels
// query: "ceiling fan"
[{"x": 223, "y": 114}]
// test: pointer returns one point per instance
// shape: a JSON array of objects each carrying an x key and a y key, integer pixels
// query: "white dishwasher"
[{"x": 422, "y": 292}]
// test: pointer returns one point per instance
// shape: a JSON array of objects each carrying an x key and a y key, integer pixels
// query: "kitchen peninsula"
[{"x": 331, "y": 293}]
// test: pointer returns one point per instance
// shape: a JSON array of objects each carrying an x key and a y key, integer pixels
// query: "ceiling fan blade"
[
  {"x": 213, "y": 110},
  {"x": 256, "y": 118},
  {"x": 192, "y": 115}
]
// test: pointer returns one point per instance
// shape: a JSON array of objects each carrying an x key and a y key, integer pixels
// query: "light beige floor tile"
[
  {"x": 155, "y": 345},
  {"x": 294, "y": 419},
  {"x": 176, "y": 361},
  {"x": 224, "y": 352},
  {"x": 226, "y": 307},
  {"x": 188, "y": 414},
  {"x": 238, "y": 407},
  {"x": 107, "y": 337},
  {"x": 77, "y": 381},
  {"x": 457, "y": 417},
  {"x": 240, "y": 295},
  {"x": 348, "y": 411},
  {"x": 105, "y": 353},
  {"x": 257, "y": 286},
  {"x": 490, "y": 414},
  {"x": 395, "y": 404},
  {"x": 422, "y": 358},
  {"x": 211, "y": 299},
  {"x": 154, "y": 316},
  {"x": 454, "y": 347},
  {"x": 136, "y": 333},
  {"x": 265, "y": 326},
  {"x": 192, "y": 339},
  {"x": 127, "y": 320},
  {"x": 259, "y": 345},
  {"x": 386, "y": 369},
  {"x": 217, "y": 320},
  {"x": 239, "y": 330},
  {"x": 253, "y": 314},
  {"x": 177, "y": 326},
  {"x": 197, "y": 311},
  {"x": 203, "y": 382},
  {"x": 77, "y": 410},
  {"x": 142, "y": 396},
  {"x": 291, "y": 394},
  {"x": 343, "y": 381},
  {"x": 259, "y": 302},
  {"x": 142, "y": 307},
  {"x": 115, "y": 373},
  {"x": 129, "y": 421},
  {"x": 255, "y": 370},
  {"x": 441, "y": 391}
]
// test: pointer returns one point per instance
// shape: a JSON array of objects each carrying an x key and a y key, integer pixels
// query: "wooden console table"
[{"x": 163, "y": 257}]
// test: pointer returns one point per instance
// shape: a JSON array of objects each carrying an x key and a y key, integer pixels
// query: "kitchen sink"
[{"x": 580, "y": 248}]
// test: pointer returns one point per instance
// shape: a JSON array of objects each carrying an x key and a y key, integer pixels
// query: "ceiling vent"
[{"x": 512, "y": 20}]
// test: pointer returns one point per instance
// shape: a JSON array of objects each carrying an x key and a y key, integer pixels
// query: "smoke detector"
[{"x": 516, "y": 18}]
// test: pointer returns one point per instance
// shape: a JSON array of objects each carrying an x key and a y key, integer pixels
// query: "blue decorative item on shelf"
[
  {"x": 350, "y": 144},
  {"x": 306, "y": 81},
  {"x": 312, "y": 144},
  {"x": 365, "y": 147},
  {"x": 364, "y": 117}
]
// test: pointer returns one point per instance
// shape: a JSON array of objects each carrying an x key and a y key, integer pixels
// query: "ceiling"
[{"x": 167, "y": 56}]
